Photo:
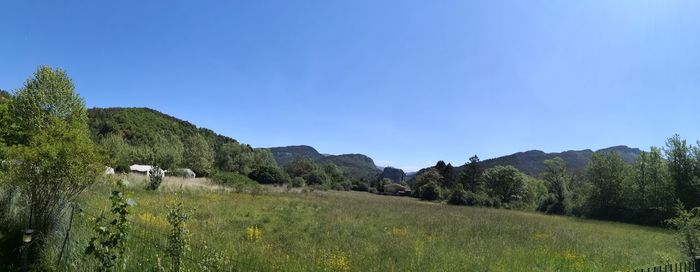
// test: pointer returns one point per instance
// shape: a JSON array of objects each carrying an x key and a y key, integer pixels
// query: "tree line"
[{"x": 648, "y": 191}]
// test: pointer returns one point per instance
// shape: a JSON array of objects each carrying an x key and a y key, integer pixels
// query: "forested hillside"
[
  {"x": 354, "y": 166},
  {"x": 532, "y": 162},
  {"x": 146, "y": 136}
]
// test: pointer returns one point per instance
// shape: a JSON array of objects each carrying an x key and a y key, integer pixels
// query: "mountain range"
[{"x": 141, "y": 125}]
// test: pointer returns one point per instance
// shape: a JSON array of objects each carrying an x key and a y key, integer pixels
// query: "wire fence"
[
  {"x": 147, "y": 250},
  {"x": 687, "y": 266}
]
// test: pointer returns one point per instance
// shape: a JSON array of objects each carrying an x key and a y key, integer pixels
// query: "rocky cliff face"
[{"x": 396, "y": 175}]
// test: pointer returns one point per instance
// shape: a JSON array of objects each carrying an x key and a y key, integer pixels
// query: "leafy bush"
[
  {"x": 360, "y": 186},
  {"x": 317, "y": 178},
  {"x": 178, "y": 172},
  {"x": 429, "y": 191},
  {"x": 108, "y": 244},
  {"x": 457, "y": 197},
  {"x": 178, "y": 239},
  {"x": 229, "y": 178},
  {"x": 298, "y": 182},
  {"x": 372, "y": 190},
  {"x": 155, "y": 178},
  {"x": 269, "y": 175}
]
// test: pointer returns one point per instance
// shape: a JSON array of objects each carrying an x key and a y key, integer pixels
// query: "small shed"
[{"x": 109, "y": 170}]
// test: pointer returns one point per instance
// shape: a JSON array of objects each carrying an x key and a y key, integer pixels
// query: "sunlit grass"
[{"x": 353, "y": 231}]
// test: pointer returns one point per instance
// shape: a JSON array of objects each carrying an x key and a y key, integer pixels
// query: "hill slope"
[
  {"x": 144, "y": 126},
  {"x": 355, "y": 166},
  {"x": 532, "y": 162}
]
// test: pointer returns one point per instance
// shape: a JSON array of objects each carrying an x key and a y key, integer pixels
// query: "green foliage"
[
  {"x": 229, "y": 178},
  {"x": 380, "y": 184},
  {"x": 318, "y": 177},
  {"x": 46, "y": 97},
  {"x": 155, "y": 178},
  {"x": 651, "y": 188},
  {"x": 198, "y": 155},
  {"x": 429, "y": 191},
  {"x": 178, "y": 238},
  {"x": 506, "y": 184},
  {"x": 111, "y": 232},
  {"x": 687, "y": 225},
  {"x": 298, "y": 182},
  {"x": 269, "y": 175},
  {"x": 458, "y": 196},
  {"x": 300, "y": 168},
  {"x": 682, "y": 170},
  {"x": 56, "y": 160},
  {"x": 471, "y": 177},
  {"x": 607, "y": 173},
  {"x": 557, "y": 181},
  {"x": 352, "y": 166}
]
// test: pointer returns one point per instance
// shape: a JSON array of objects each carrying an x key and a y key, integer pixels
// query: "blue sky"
[{"x": 405, "y": 82}]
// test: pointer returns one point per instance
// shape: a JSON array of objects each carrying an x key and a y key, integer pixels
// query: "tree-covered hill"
[
  {"x": 532, "y": 162},
  {"x": 354, "y": 166},
  {"x": 147, "y": 136},
  {"x": 286, "y": 154}
]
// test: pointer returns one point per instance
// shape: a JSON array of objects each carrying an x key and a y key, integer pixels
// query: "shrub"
[
  {"x": 317, "y": 178},
  {"x": 178, "y": 238},
  {"x": 298, "y": 182},
  {"x": 108, "y": 244},
  {"x": 479, "y": 199},
  {"x": 457, "y": 197},
  {"x": 429, "y": 191},
  {"x": 155, "y": 178},
  {"x": 269, "y": 175},
  {"x": 372, "y": 190},
  {"x": 179, "y": 172},
  {"x": 360, "y": 186}
]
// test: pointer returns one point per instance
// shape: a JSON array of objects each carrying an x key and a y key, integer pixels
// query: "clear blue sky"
[{"x": 405, "y": 82}]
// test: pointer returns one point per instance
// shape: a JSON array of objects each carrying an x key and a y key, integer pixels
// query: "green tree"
[
  {"x": 607, "y": 173},
  {"x": 300, "y": 167},
  {"x": 198, "y": 155},
  {"x": 269, "y": 175},
  {"x": 681, "y": 169},
  {"x": 427, "y": 185},
  {"x": 118, "y": 152},
  {"x": 687, "y": 225},
  {"x": 168, "y": 152},
  {"x": 652, "y": 189},
  {"x": 471, "y": 177},
  {"x": 57, "y": 160},
  {"x": 557, "y": 182},
  {"x": 111, "y": 232},
  {"x": 506, "y": 184}
]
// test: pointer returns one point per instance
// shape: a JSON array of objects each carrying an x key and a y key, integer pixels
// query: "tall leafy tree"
[
  {"x": 681, "y": 166},
  {"x": 652, "y": 190},
  {"x": 557, "y": 181},
  {"x": 506, "y": 184},
  {"x": 198, "y": 155},
  {"x": 607, "y": 173},
  {"x": 471, "y": 177},
  {"x": 56, "y": 159}
]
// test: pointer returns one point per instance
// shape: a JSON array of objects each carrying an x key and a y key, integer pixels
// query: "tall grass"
[{"x": 354, "y": 231}]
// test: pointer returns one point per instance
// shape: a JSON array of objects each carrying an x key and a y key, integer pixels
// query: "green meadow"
[{"x": 272, "y": 229}]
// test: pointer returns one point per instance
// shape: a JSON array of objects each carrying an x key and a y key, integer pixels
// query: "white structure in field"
[
  {"x": 144, "y": 169},
  {"x": 109, "y": 170}
]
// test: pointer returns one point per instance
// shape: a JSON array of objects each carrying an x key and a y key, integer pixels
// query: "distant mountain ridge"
[
  {"x": 355, "y": 166},
  {"x": 532, "y": 162}
]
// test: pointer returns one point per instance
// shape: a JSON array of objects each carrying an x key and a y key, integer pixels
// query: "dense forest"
[{"x": 646, "y": 190}]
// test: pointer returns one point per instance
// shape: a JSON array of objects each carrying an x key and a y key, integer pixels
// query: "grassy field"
[{"x": 353, "y": 231}]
